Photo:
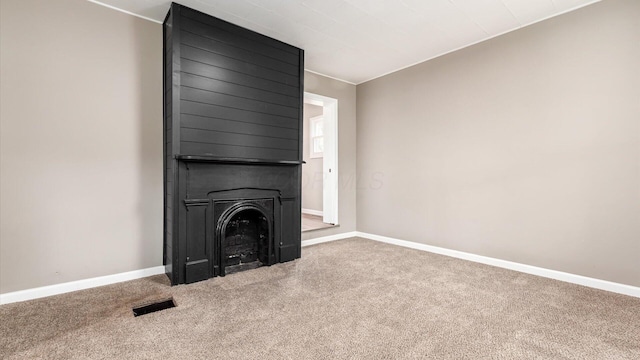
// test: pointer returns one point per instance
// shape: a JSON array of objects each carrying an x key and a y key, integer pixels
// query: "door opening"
[{"x": 320, "y": 152}]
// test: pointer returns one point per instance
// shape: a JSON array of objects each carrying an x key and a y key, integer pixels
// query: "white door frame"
[{"x": 330, "y": 156}]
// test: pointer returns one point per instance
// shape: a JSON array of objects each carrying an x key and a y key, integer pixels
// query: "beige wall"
[
  {"x": 81, "y": 142},
  {"x": 312, "y": 170},
  {"x": 346, "y": 95},
  {"x": 525, "y": 147}
]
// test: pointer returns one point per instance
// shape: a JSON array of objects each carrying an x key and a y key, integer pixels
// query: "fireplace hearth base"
[{"x": 235, "y": 216}]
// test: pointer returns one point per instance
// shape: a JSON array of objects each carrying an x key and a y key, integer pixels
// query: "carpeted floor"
[{"x": 348, "y": 299}]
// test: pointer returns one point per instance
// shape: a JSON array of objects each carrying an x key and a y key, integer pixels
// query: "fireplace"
[
  {"x": 232, "y": 146},
  {"x": 245, "y": 235},
  {"x": 236, "y": 216},
  {"x": 244, "y": 228}
]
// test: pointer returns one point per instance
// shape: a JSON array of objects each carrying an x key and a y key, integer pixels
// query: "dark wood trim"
[
  {"x": 164, "y": 138},
  {"x": 176, "y": 82},
  {"x": 215, "y": 159},
  {"x": 178, "y": 250},
  {"x": 300, "y": 109},
  {"x": 298, "y": 244},
  {"x": 195, "y": 202}
]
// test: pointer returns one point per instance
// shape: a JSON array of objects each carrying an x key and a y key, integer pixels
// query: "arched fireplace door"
[{"x": 245, "y": 233}]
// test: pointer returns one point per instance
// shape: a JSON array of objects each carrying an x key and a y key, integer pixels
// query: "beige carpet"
[{"x": 349, "y": 299}]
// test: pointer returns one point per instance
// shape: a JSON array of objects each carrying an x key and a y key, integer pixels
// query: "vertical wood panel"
[
  {"x": 291, "y": 230},
  {"x": 198, "y": 252},
  {"x": 167, "y": 169}
]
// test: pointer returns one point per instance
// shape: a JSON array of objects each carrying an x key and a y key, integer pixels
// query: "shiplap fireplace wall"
[{"x": 232, "y": 146}]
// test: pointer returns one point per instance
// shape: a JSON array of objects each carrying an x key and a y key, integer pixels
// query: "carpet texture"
[{"x": 349, "y": 299}]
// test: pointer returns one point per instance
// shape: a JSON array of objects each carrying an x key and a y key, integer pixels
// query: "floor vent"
[{"x": 157, "y": 306}]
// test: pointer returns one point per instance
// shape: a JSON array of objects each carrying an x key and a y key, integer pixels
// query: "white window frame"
[{"x": 312, "y": 136}]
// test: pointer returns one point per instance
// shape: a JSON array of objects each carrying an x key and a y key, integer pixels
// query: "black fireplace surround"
[{"x": 232, "y": 147}]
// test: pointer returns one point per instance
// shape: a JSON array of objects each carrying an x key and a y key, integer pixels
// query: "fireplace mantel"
[{"x": 215, "y": 159}]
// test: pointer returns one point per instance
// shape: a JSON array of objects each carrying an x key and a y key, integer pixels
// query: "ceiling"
[{"x": 359, "y": 40}]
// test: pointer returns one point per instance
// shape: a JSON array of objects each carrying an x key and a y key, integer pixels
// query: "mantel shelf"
[{"x": 216, "y": 159}]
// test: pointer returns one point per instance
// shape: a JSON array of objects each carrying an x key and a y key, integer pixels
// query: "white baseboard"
[
  {"x": 324, "y": 239},
  {"x": 312, "y": 212},
  {"x": 534, "y": 270},
  {"x": 50, "y": 290},
  {"x": 40, "y": 292},
  {"x": 56, "y": 289}
]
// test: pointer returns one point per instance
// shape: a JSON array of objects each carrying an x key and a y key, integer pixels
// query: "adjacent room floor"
[
  {"x": 313, "y": 222},
  {"x": 354, "y": 298}
]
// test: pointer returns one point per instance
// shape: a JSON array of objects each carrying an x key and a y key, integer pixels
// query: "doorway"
[{"x": 320, "y": 171}]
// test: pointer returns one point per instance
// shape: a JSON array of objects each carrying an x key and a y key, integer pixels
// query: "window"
[{"x": 316, "y": 137}]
